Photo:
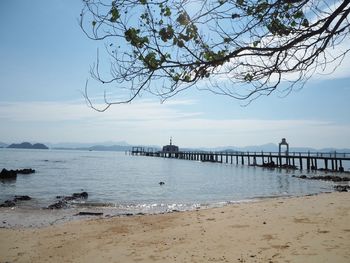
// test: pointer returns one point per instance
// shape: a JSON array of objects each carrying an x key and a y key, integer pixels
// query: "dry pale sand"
[{"x": 305, "y": 229}]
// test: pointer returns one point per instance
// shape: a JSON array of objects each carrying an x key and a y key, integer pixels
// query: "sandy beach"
[{"x": 299, "y": 229}]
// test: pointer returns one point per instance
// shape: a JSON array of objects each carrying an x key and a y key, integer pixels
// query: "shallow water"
[
  {"x": 132, "y": 182},
  {"x": 120, "y": 184}
]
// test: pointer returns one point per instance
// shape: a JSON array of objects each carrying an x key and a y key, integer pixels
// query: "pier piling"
[{"x": 287, "y": 160}]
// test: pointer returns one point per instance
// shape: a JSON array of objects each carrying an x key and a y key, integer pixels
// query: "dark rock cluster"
[
  {"x": 12, "y": 203},
  {"x": 340, "y": 169},
  {"x": 64, "y": 200},
  {"x": 12, "y": 174},
  {"x": 332, "y": 178},
  {"x": 272, "y": 164},
  {"x": 89, "y": 214},
  {"x": 58, "y": 205},
  {"x": 288, "y": 166},
  {"x": 269, "y": 164},
  {"x": 342, "y": 188},
  {"x": 25, "y": 171},
  {"x": 8, "y": 174},
  {"x": 8, "y": 203}
]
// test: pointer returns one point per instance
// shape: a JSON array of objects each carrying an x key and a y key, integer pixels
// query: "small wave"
[
  {"x": 54, "y": 161},
  {"x": 140, "y": 208}
]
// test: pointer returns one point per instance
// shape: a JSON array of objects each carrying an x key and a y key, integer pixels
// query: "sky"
[{"x": 44, "y": 63}]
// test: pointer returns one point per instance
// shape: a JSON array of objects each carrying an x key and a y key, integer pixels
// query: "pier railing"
[{"x": 332, "y": 161}]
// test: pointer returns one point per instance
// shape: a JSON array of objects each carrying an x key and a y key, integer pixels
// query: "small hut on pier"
[{"x": 170, "y": 148}]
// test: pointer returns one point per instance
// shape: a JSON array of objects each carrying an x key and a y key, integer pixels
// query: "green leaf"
[
  {"x": 167, "y": 11},
  {"x": 176, "y": 77},
  {"x": 131, "y": 35},
  {"x": 248, "y": 77},
  {"x": 298, "y": 15},
  {"x": 114, "y": 14},
  {"x": 151, "y": 61},
  {"x": 262, "y": 7},
  {"x": 166, "y": 33},
  {"x": 180, "y": 43},
  {"x": 183, "y": 19},
  {"x": 240, "y": 2},
  {"x": 305, "y": 23}
]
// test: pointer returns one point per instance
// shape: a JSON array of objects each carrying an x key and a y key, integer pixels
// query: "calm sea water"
[{"x": 131, "y": 183}]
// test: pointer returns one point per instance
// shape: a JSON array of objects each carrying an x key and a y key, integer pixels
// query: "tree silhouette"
[{"x": 239, "y": 48}]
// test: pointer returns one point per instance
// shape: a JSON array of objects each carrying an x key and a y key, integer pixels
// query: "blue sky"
[{"x": 44, "y": 63}]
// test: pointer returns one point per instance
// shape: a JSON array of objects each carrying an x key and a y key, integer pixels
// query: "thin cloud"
[
  {"x": 75, "y": 111},
  {"x": 147, "y": 122}
]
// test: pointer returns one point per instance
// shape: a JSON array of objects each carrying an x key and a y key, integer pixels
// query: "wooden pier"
[{"x": 294, "y": 160}]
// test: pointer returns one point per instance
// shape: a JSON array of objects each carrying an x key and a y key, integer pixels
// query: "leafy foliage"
[{"x": 240, "y": 48}]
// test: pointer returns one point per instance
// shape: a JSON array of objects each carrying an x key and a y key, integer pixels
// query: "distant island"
[{"x": 27, "y": 145}]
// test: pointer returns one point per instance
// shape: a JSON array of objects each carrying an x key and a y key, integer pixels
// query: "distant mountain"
[
  {"x": 124, "y": 146},
  {"x": 345, "y": 150},
  {"x": 3, "y": 145},
  {"x": 109, "y": 148},
  {"x": 72, "y": 145},
  {"x": 27, "y": 145},
  {"x": 117, "y": 148},
  {"x": 269, "y": 147}
]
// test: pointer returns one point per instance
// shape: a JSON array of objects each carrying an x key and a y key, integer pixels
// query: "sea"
[{"x": 121, "y": 184}]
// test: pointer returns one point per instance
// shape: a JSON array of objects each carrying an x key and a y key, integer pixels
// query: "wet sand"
[{"x": 300, "y": 229}]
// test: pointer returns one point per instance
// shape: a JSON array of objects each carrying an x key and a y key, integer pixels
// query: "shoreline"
[
  {"x": 294, "y": 229},
  {"x": 12, "y": 217}
]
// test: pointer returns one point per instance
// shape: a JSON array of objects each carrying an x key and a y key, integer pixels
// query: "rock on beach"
[
  {"x": 12, "y": 203},
  {"x": 64, "y": 200},
  {"x": 12, "y": 174}
]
